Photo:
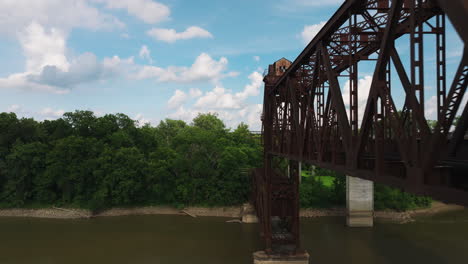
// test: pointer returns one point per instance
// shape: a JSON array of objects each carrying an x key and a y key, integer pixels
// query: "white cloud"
[
  {"x": 231, "y": 107},
  {"x": 256, "y": 58},
  {"x": 48, "y": 68},
  {"x": 430, "y": 108},
  {"x": 252, "y": 89},
  {"x": 49, "y": 113},
  {"x": 309, "y": 32},
  {"x": 17, "y": 14},
  {"x": 364, "y": 85},
  {"x": 42, "y": 48},
  {"x": 218, "y": 98},
  {"x": 46, "y": 113},
  {"x": 125, "y": 35},
  {"x": 251, "y": 114},
  {"x": 177, "y": 99},
  {"x": 204, "y": 68},
  {"x": 184, "y": 114},
  {"x": 20, "y": 81},
  {"x": 85, "y": 68},
  {"x": 146, "y": 10},
  {"x": 145, "y": 53},
  {"x": 170, "y": 35},
  {"x": 195, "y": 92},
  {"x": 141, "y": 120}
]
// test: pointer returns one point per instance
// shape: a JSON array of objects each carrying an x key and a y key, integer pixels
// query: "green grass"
[{"x": 327, "y": 181}]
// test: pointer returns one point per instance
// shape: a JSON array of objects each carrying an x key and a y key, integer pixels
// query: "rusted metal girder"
[{"x": 308, "y": 115}]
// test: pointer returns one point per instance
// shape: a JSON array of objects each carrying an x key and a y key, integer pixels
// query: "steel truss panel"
[{"x": 307, "y": 119}]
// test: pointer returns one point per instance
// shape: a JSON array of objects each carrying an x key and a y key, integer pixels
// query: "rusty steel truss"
[{"x": 305, "y": 117}]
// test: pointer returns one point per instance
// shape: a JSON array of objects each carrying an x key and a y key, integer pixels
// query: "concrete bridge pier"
[
  {"x": 260, "y": 257},
  {"x": 359, "y": 202}
]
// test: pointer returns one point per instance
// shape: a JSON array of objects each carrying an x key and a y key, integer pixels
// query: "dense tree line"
[
  {"x": 97, "y": 162},
  {"x": 81, "y": 160}
]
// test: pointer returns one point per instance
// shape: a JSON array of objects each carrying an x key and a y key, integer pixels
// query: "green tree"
[{"x": 25, "y": 166}]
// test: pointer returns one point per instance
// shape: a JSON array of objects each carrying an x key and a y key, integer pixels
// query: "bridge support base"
[
  {"x": 260, "y": 257},
  {"x": 359, "y": 202}
]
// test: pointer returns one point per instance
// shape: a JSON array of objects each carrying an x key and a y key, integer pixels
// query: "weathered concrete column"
[{"x": 359, "y": 202}]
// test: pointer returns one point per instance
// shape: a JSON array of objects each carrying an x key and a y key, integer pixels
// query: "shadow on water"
[
  {"x": 438, "y": 239},
  {"x": 209, "y": 240}
]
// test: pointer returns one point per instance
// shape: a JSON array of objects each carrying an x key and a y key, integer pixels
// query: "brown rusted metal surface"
[{"x": 306, "y": 117}]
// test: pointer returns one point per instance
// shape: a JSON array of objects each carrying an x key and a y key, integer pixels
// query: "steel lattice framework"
[{"x": 305, "y": 118}]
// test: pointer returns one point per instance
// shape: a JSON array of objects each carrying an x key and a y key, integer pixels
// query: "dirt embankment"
[
  {"x": 232, "y": 212},
  {"x": 68, "y": 213}
]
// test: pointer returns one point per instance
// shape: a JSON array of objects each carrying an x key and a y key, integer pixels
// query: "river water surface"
[{"x": 210, "y": 240}]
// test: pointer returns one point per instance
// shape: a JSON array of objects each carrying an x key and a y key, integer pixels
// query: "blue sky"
[{"x": 155, "y": 59}]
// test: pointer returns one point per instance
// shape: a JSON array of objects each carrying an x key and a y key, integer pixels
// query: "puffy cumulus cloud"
[
  {"x": 115, "y": 63},
  {"x": 46, "y": 113},
  {"x": 41, "y": 47},
  {"x": 186, "y": 115},
  {"x": 177, "y": 99},
  {"x": 430, "y": 108},
  {"x": 231, "y": 107},
  {"x": 48, "y": 68},
  {"x": 69, "y": 14},
  {"x": 310, "y": 31},
  {"x": 204, "y": 68},
  {"x": 195, "y": 92},
  {"x": 141, "y": 120},
  {"x": 146, "y": 10},
  {"x": 252, "y": 114},
  {"x": 145, "y": 53},
  {"x": 85, "y": 68},
  {"x": 253, "y": 88},
  {"x": 364, "y": 85},
  {"x": 21, "y": 81},
  {"x": 249, "y": 114},
  {"x": 170, "y": 35},
  {"x": 218, "y": 98}
]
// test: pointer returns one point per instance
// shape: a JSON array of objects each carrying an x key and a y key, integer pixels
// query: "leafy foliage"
[
  {"x": 391, "y": 198},
  {"x": 313, "y": 193},
  {"x": 97, "y": 162}
]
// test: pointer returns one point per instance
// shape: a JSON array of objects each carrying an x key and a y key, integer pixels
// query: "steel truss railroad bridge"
[{"x": 305, "y": 117}]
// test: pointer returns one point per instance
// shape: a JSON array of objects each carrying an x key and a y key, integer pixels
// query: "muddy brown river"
[{"x": 210, "y": 240}]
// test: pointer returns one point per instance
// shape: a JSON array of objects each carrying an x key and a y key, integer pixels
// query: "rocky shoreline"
[{"x": 240, "y": 212}]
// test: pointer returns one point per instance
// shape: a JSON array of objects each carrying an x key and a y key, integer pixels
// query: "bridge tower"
[
  {"x": 385, "y": 138},
  {"x": 278, "y": 200}
]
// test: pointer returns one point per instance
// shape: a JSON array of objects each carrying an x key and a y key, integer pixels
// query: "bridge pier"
[
  {"x": 359, "y": 202},
  {"x": 260, "y": 257}
]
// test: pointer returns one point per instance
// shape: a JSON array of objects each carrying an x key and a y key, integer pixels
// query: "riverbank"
[{"x": 231, "y": 212}]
